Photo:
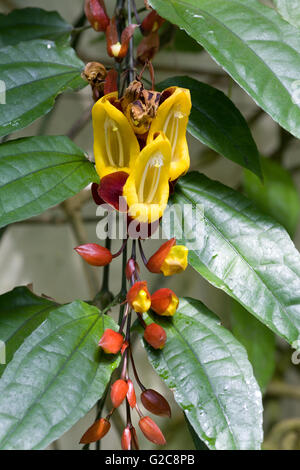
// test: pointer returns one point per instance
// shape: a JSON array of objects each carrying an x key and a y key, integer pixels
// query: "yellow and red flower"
[
  {"x": 139, "y": 166},
  {"x": 169, "y": 259}
]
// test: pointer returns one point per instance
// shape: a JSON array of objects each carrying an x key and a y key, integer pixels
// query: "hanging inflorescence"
[{"x": 140, "y": 151}]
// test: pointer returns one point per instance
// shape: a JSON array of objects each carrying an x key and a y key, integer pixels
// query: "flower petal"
[
  {"x": 115, "y": 144},
  {"x": 111, "y": 190},
  {"x": 147, "y": 188},
  {"x": 172, "y": 118}
]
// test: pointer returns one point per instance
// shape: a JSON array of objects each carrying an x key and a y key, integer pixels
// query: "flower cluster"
[
  {"x": 140, "y": 151},
  {"x": 140, "y": 148}
]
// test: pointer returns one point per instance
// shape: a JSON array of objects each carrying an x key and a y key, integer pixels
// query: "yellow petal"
[
  {"x": 115, "y": 144},
  {"x": 172, "y": 118},
  {"x": 147, "y": 188},
  {"x": 176, "y": 261}
]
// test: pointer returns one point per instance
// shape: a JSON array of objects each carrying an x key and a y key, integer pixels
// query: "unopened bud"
[
  {"x": 118, "y": 392},
  {"x": 155, "y": 335},
  {"x": 138, "y": 297},
  {"x": 94, "y": 254},
  {"x": 155, "y": 403},
  {"x": 164, "y": 302},
  {"x": 111, "y": 341},
  {"x": 95, "y": 12},
  {"x": 151, "y": 431},
  {"x": 126, "y": 439},
  {"x": 98, "y": 430},
  {"x": 131, "y": 268},
  {"x": 131, "y": 397}
]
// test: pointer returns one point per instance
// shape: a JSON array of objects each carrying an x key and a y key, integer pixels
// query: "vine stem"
[{"x": 130, "y": 49}]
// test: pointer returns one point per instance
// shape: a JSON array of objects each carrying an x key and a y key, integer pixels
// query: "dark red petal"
[
  {"x": 95, "y": 193},
  {"x": 111, "y": 189},
  {"x": 111, "y": 82}
]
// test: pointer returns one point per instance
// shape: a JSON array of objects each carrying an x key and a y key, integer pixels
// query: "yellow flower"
[
  {"x": 115, "y": 144},
  {"x": 176, "y": 261},
  {"x": 172, "y": 118},
  {"x": 147, "y": 188}
]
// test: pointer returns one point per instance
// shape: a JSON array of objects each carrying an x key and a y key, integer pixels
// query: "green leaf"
[
  {"x": 253, "y": 44},
  {"x": 217, "y": 123},
  {"x": 289, "y": 10},
  {"x": 211, "y": 377},
  {"x": 276, "y": 196},
  {"x": 39, "y": 172},
  {"x": 34, "y": 73},
  {"x": 241, "y": 251},
  {"x": 32, "y": 23},
  {"x": 21, "y": 312},
  {"x": 258, "y": 341},
  {"x": 55, "y": 377}
]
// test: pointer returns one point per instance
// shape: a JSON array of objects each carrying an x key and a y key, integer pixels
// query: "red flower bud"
[
  {"x": 126, "y": 439},
  {"x": 135, "y": 442},
  {"x": 151, "y": 431},
  {"x": 155, "y": 403},
  {"x": 138, "y": 297},
  {"x": 155, "y": 335},
  {"x": 164, "y": 302},
  {"x": 131, "y": 268},
  {"x": 111, "y": 341},
  {"x": 94, "y": 254},
  {"x": 131, "y": 397},
  {"x": 118, "y": 392},
  {"x": 151, "y": 23},
  {"x": 95, "y": 12},
  {"x": 148, "y": 47},
  {"x": 96, "y": 431},
  {"x": 155, "y": 262}
]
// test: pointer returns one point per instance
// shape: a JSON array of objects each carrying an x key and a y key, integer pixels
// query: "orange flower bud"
[
  {"x": 131, "y": 397},
  {"x": 169, "y": 259},
  {"x": 151, "y": 23},
  {"x": 111, "y": 341},
  {"x": 96, "y": 431},
  {"x": 151, "y": 431},
  {"x": 164, "y": 302},
  {"x": 138, "y": 297},
  {"x": 94, "y": 254},
  {"x": 118, "y": 392},
  {"x": 155, "y": 262},
  {"x": 95, "y": 12},
  {"x": 126, "y": 439},
  {"x": 135, "y": 442},
  {"x": 155, "y": 335},
  {"x": 155, "y": 403}
]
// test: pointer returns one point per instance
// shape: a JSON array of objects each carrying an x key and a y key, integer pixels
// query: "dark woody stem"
[
  {"x": 121, "y": 249},
  {"x": 135, "y": 11},
  {"x": 105, "y": 281},
  {"x": 142, "y": 253},
  {"x": 123, "y": 291},
  {"x": 135, "y": 371},
  {"x": 130, "y": 49}
]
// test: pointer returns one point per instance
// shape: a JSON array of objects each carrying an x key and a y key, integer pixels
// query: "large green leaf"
[
  {"x": 289, "y": 10},
  {"x": 39, "y": 172},
  {"x": 258, "y": 341},
  {"x": 55, "y": 377},
  {"x": 277, "y": 195},
  {"x": 32, "y": 23},
  {"x": 216, "y": 122},
  {"x": 34, "y": 73},
  {"x": 21, "y": 312},
  {"x": 211, "y": 377},
  {"x": 241, "y": 251},
  {"x": 252, "y": 43}
]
